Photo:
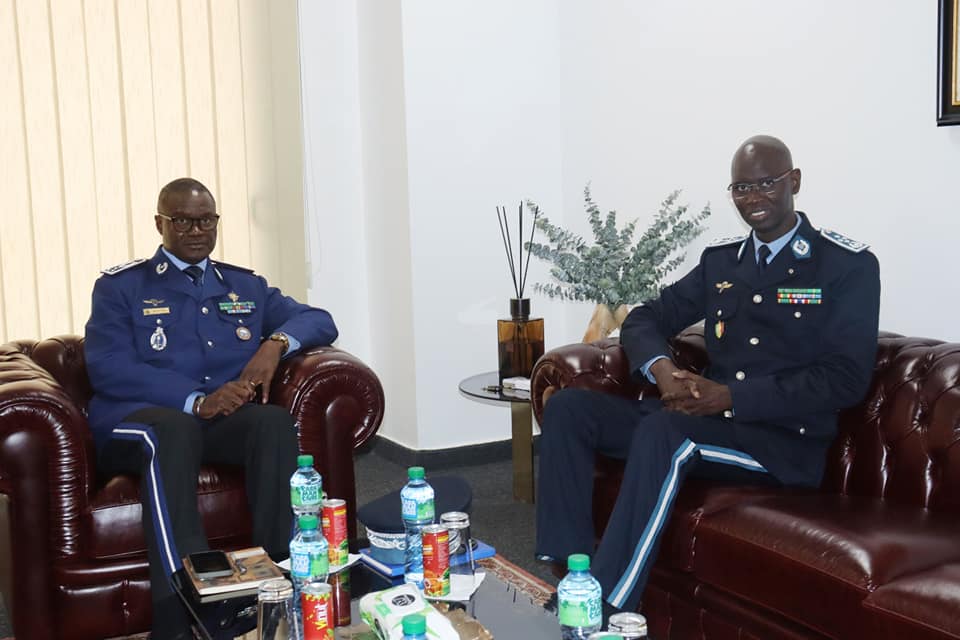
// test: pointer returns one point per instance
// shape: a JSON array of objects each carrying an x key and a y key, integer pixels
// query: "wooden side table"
[{"x": 521, "y": 422}]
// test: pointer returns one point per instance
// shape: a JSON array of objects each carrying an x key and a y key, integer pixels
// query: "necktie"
[
  {"x": 196, "y": 274},
  {"x": 762, "y": 254}
]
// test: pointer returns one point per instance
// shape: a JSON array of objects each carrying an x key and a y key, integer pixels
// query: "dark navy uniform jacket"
[
  {"x": 795, "y": 343},
  {"x": 154, "y": 338}
]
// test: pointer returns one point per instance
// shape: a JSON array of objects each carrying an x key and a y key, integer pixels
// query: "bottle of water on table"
[
  {"x": 417, "y": 510},
  {"x": 308, "y": 559},
  {"x": 578, "y": 597},
  {"x": 306, "y": 488}
]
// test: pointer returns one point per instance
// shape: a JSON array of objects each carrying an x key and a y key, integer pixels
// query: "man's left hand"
[
  {"x": 261, "y": 367},
  {"x": 709, "y": 399}
]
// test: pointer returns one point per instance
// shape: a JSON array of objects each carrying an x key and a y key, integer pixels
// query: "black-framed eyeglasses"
[
  {"x": 766, "y": 185},
  {"x": 183, "y": 224}
]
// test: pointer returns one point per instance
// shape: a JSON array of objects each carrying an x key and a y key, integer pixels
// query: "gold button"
[
  {"x": 757, "y": 298},
  {"x": 740, "y": 375},
  {"x": 754, "y": 341},
  {"x": 204, "y": 310},
  {"x": 728, "y": 414},
  {"x": 797, "y": 314}
]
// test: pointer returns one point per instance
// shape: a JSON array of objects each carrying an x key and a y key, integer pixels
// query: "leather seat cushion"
[
  {"x": 932, "y": 596},
  {"x": 832, "y": 549},
  {"x": 114, "y": 520}
]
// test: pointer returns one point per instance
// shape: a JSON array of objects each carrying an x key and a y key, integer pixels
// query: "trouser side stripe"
[{"x": 161, "y": 520}]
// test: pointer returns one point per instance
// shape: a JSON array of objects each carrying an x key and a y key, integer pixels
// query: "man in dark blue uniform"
[
  {"x": 791, "y": 315},
  {"x": 177, "y": 348}
]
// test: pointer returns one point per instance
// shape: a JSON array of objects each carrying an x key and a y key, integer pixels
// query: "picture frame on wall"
[{"x": 948, "y": 72}]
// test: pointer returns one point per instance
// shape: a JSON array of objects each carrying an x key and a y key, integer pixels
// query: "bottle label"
[
  {"x": 309, "y": 565},
  {"x": 414, "y": 510},
  {"x": 580, "y": 613},
  {"x": 305, "y": 496}
]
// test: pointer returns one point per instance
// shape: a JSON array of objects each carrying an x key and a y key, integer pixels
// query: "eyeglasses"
[
  {"x": 766, "y": 185},
  {"x": 182, "y": 224}
]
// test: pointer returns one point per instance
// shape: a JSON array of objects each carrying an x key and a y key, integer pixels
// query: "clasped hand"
[
  {"x": 689, "y": 393},
  {"x": 236, "y": 393}
]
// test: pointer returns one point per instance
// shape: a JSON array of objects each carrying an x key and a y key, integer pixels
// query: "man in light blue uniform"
[
  {"x": 791, "y": 316},
  {"x": 178, "y": 348}
]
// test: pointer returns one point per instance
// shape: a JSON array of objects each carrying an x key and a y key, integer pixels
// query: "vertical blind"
[{"x": 104, "y": 102}]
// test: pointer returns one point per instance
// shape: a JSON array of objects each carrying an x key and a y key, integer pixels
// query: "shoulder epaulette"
[
  {"x": 114, "y": 270},
  {"x": 843, "y": 241},
  {"x": 722, "y": 242},
  {"x": 227, "y": 265}
]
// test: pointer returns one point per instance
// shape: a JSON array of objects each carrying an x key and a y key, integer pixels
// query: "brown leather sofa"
[
  {"x": 874, "y": 553},
  {"x": 78, "y": 556}
]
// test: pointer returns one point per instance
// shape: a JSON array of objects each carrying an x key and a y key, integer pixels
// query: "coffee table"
[
  {"x": 521, "y": 423},
  {"x": 501, "y": 607}
]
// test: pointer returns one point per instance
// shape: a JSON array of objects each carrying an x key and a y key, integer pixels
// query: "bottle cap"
[
  {"x": 414, "y": 624},
  {"x": 415, "y": 473},
  {"x": 308, "y": 521},
  {"x": 578, "y": 562},
  {"x": 305, "y": 460}
]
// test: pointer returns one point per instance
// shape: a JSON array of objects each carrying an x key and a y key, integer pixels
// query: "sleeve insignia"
[
  {"x": 122, "y": 267},
  {"x": 843, "y": 241}
]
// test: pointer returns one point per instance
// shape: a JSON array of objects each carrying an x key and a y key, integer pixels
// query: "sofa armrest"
[
  {"x": 600, "y": 366},
  {"x": 603, "y": 366},
  {"x": 337, "y": 403},
  {"x": 46, "y": 469}
]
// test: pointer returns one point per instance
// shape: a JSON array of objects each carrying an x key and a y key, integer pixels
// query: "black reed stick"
[
  {"x": 508, "y": 246},
  {"x": 526, "y": 269},
  {"x": 520, "y": 244}
]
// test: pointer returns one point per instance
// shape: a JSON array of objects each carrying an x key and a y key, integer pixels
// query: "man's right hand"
[
  {"x": 671, "y": 388},
  {"x": 226, "y": 399}
]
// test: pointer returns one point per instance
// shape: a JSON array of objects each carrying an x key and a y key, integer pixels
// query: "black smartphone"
[{"x": 211, "y": 564}]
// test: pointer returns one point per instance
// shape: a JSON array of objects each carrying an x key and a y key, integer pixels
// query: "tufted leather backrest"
[
  {"x": 902, "y": 442},
  {"x": 62, "y": 357}
]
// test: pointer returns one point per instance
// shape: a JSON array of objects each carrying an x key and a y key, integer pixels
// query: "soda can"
[
  {"x": 315, "y": 602},
  {"x": 340, "y": 584},
  {"x": 436, "y": 560},
  {"x": 334, "y": 522}
]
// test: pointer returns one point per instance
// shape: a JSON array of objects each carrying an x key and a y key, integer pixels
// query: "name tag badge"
[{"x": 156, "y": 311}]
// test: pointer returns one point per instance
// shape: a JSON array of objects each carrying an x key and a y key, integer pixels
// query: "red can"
[
  {"x": 333, "y": 519},
  {"x": 317, "y": 611},
  {"x": 340, "y": 583},
  {"x": 436, "y": 560}
]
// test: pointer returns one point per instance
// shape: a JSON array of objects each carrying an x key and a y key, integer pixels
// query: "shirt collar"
[
  {"x": 775, "y": 245},
  {"x": 180, "y": 264}
]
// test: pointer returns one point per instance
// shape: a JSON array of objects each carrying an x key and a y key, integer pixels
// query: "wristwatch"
[
  {"x": 282, "y": 338},
  {"x": 197, "y": 404}
]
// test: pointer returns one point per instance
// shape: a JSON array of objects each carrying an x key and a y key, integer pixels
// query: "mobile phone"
[{"x": 211, "y": 564}]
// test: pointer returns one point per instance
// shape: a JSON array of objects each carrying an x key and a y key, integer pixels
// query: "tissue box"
[{"x": 383, "y": 611}]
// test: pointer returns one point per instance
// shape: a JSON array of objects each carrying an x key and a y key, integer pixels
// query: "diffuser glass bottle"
[{"x": 519, "y": 340}]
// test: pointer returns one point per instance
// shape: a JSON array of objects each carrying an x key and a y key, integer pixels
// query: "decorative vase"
[
  {"x": 603, "y": 322},
  {"x": 519, "y": 340}
]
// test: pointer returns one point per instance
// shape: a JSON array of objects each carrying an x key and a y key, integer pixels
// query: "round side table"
[{"x": 486, "y": 386}]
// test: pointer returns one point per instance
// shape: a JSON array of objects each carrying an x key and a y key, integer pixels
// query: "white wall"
[{"x": 499, "y": 101}]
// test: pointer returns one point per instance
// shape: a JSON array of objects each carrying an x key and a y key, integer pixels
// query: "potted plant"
[{"x": 615, "y": 272}]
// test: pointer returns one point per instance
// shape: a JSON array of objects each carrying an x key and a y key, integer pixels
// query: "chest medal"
[
  {"x": 243, "y": 333},
  {"x": 158, "y": 340},
  {"x": 718, "y": 329}
]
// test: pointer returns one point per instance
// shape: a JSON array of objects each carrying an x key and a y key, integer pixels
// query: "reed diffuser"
[{"x": 520, "y": 338}]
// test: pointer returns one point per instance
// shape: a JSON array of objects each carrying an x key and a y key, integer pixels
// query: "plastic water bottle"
[
  {"x": 414, "y": 627},
  {"x": 308, "y": 559},
  {"x": 306, "y": 488},
  {"x": 418, "y": 511},
  {"x": 578, "y": 597}
]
